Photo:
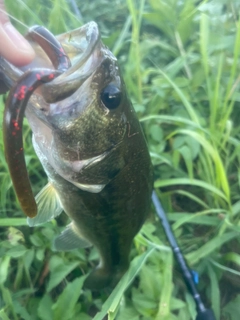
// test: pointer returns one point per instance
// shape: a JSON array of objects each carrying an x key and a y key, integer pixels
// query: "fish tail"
[{"x": 101, "y": 278}]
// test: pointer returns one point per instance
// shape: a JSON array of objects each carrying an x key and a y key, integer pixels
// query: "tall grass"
[{"x": 180, "y": 61}]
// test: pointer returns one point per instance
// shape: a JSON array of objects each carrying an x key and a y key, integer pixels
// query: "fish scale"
[{"x": 89, "y": 141}]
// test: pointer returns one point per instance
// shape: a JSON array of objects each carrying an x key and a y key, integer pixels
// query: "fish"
[{"x": 90, "y": 143}]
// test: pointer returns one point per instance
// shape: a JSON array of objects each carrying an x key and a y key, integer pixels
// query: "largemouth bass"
[{"x": 91, "y": 146}]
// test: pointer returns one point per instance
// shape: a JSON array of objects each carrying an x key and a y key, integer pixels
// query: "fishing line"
[
  {"x": 27, "y": 27},
  {"x": 76, "y": 9},
  {"x": 202, "y": 312}
]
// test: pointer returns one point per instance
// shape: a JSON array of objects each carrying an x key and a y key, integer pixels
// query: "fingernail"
[{"x": 17, "y": 39}]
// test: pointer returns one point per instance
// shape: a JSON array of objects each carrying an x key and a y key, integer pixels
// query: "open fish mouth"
[{"x": 82, "y": 46}]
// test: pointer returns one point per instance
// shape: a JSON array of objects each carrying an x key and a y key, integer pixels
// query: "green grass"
[{"x": 180, "y": 61}]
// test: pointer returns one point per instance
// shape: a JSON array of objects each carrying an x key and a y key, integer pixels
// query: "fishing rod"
[{"x": 202, "y": 312}]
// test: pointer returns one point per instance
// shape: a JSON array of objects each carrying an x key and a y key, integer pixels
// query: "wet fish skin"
[
  {"x": 95, "y": 156},
  {"x": 111, "y": 218}
]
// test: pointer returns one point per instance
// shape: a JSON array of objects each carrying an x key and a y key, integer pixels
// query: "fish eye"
[{"x": 111, "y": 96}]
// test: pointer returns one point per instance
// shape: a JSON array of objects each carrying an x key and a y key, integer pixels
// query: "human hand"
[{"x": 13, "y": 46}]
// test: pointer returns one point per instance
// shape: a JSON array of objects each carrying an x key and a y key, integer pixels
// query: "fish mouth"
[{"x": 82, "y": 46}]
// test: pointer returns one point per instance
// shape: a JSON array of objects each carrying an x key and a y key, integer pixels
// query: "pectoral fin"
[
  {"x": 70, "y": 239},
  {"x": 49, "y": 206}
]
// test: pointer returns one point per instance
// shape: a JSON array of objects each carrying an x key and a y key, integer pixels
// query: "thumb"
[{"x": 13, "y": 46}]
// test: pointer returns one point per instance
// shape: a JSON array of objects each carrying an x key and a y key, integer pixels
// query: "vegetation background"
[{"x": 180, "y": 60}]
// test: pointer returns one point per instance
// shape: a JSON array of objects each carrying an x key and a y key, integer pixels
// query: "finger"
[{"x": 13, "y": 47}]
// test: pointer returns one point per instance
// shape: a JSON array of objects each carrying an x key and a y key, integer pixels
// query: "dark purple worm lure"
[
  {"x": 12, "y": 133},
  {"x": 14, "y": 113},
  {"x": 51, "y": 46}
]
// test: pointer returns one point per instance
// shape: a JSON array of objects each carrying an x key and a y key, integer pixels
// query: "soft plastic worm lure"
[
  {"x": 51, "y": 46},
  {"x": 14, "y": 113}
]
